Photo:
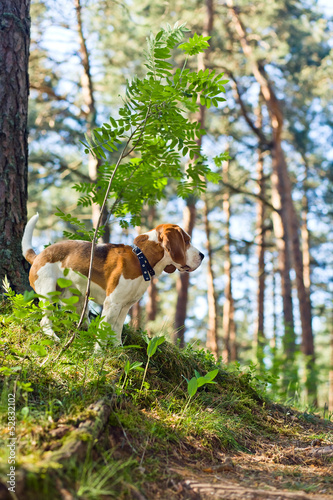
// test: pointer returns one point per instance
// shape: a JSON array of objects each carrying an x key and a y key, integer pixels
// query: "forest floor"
[{"x": 85, "y": 430}]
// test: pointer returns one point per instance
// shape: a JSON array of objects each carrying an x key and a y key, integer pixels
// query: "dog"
[{"x": 120, "y": 273}]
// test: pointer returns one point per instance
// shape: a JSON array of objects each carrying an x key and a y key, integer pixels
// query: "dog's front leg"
[{"x": 115, "y": 315}]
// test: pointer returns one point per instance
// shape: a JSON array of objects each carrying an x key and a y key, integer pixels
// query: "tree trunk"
[
  {"x": 229, "y": 352},
  {"x": 308, "y": 349},
  {"x": 151, "y": 306},
  {"x": 212, "y": 337},
  {"x": 135, "y": 314},
  {"x": 184, "y": 278},
  {"x": 14, "y": 91},
  {"x": 91, "y": 114},
  {"x": 190, "y": 209},
  {"x": 287, "y": 209},
  {"x": 330, "y": 377},
  {"x": 260, "y": 250}
]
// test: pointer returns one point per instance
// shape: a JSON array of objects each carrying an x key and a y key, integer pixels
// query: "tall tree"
[
  {"x": 183, "y": 280},
  {"x": 14, "y": 91},
  {"x": 280, "y": 170},
  {"x": 88, "y": 95},
  {"x": 260, "y": 250},
  {"x": 212, "y": 332},
  {"x": 190, "y": 210},
  {"x": 229, "y": 327}
]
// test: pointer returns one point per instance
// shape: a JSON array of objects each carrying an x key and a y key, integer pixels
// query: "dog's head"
[{"x": 177, "y": 243}]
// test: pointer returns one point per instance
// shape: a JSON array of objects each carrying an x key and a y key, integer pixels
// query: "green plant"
[
  {"x": 136, "y": 365},
  {"x": 198, "y": 381},
  {"x": 151, "y": 349}
]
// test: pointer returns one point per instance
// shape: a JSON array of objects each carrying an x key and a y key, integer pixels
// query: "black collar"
[{"x": 146, "y": 269}]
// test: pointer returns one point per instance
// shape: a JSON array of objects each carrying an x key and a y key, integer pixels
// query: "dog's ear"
[
  {"x": 173, "y": 241},
  {"x": 140, "y": 239},
  {"x": 169, "y": 269}
]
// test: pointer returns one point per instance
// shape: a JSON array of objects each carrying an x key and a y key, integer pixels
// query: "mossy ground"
[{"x": 151, "y": 442}]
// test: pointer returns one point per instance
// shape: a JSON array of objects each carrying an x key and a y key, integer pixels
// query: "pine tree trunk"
[
  {"x": 91, "y": 113},
  {"x": 212, "y": 337},
  {"x": 14, "y": 91},
  {"x": 135, "y": 314},
  {"x": 260, "y": 250},
  {"x": 151, "y": 306},
  {"x": 190, "y": 210},
  {"x": 330, "y": 376},
  {"x": 184, "y": 278},
  {"x": 229, "y": 352},
  {"x": 311, "y": 383},
  {"x": 287, "y": 209}
]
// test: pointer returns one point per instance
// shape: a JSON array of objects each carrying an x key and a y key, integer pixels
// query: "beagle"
[{"x": 120, "y": 273}]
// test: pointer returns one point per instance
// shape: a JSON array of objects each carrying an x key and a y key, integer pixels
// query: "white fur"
[
  {"x": 193, "y": 259},
  {"x": 27, "y": 236}
]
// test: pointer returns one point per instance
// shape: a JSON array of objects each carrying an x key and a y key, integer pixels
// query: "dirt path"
[{"x": 278, "y": 472}]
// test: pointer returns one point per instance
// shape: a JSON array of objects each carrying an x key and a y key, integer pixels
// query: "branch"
[
  {"x": 248, "y": 193},
  {"x": 264, "y": 142}
]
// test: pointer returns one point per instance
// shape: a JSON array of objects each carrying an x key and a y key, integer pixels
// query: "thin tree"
[
  {"x": 283, "y": 186},
  {"x": 260, "y": 251},
  {"x": 229, "y": 352},
  {"x": 190, "y": 209},
  {"x": 212, "y": 332},
  {"x": 88, "y": 95},
  {"x": 14, "y": 84}
]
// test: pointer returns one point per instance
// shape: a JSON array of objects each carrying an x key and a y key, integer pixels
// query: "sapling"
[
  {"x": 198, "y": 381},
  {"x": 151, "y": 349},
  {"x": 136, "y": 365},
  {"x": 153, "y": 135}
]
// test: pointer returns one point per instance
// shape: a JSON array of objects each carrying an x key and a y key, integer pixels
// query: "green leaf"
[
  {"x": 153, "y": 345},
  {"x": 39, "y": 350},
  {"x": 63, "y": 283},
  {"x": 192, "y": 387},
  {"x": 70, "y": 301}
]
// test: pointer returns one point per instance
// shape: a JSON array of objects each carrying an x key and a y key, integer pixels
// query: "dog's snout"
[{"x": 201, "y": 255}]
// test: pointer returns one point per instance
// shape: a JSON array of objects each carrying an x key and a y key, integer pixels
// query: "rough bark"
[
  {"x": 14, "y": 91},
  {"x": 330, "y": 377},
  {"x": 260, "y": 251},
  {"x": 212, "y": 333},
  {"x": 229, "y": 352},
  {"x": 283, "y": 185},
  {"x": 151, "y": 306},
  {"x": 135, "y": 314},
  {"x": 87, "y": 86},
  {"x": 190, "y": 210},
  {"x": 184, "y": 278}
]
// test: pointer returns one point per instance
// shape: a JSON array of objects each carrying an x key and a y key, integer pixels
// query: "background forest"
[{"x": 262, "y": 295}]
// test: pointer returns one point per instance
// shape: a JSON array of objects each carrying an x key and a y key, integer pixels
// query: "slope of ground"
[{"x": 86, "y": 430}]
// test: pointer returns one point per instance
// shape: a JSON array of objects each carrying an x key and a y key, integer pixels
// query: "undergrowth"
[{"x": 148, "y": 421}]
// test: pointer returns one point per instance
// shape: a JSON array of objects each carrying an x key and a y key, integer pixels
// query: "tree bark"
[
  {"x": 135, "y": 314},
  {"x": 330, "y": 376},
  {"x": 283, "y": 188},
  {"x": 260, "y": 250},
  {"x": 190, "y": 209},
  {"x": 212, "y": 333},
  {"x": 151, "y": 306},
  {"x": 189, "y": 216},
  {"x": 229, "y": 352},
  {"x": 87, "y": 86},
  {"x": 14, "y": 91}
]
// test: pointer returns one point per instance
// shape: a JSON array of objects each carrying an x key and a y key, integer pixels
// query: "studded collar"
[{"x": 146, "y": 269}]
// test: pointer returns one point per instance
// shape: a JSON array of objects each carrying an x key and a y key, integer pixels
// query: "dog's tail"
[{"x": 28, "y": 253}]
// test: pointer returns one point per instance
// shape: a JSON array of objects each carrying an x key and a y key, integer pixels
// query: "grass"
[{"x": 145, "y": 429}]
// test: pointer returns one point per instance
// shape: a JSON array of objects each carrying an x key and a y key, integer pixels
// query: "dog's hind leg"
[{"x": 47, "y": 283}]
